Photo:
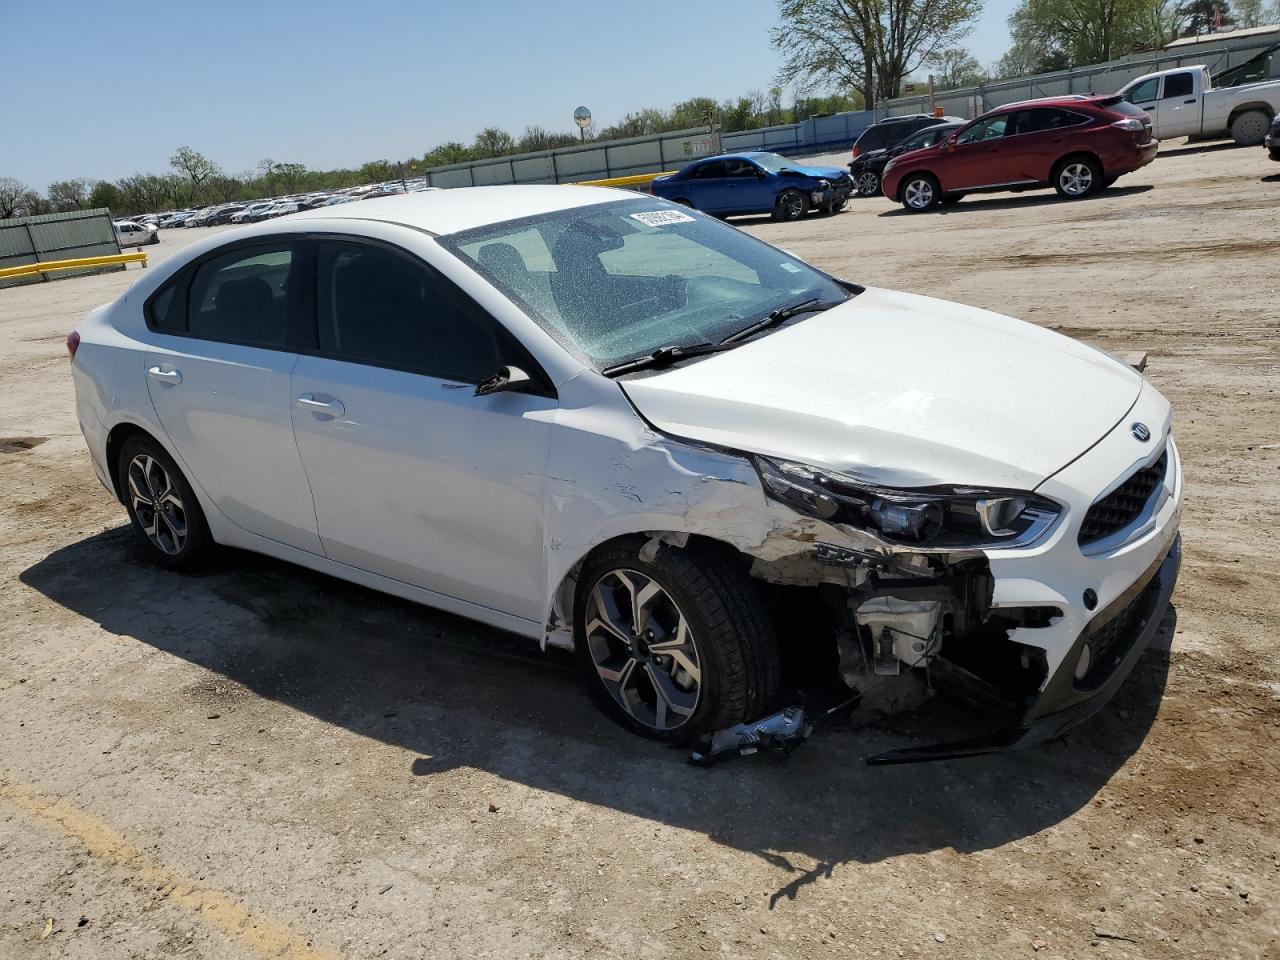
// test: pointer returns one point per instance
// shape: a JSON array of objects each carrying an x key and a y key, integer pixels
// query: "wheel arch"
[
  {"x": 116, "y": 439},
  {"x": 559, "y": 628},
  {"x": 1259, "y": 105},
  {"x": 1075, "y": 155}
]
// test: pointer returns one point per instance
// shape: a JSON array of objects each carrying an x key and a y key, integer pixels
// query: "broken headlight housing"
[{"x": 933, "y": 517}]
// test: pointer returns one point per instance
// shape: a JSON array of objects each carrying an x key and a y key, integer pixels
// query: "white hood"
[{"x": 902, "y": 390}]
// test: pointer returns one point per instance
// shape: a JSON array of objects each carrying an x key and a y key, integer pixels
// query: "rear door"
[
  {"x": 1180, "y": 105},
  {"x": 706, "y": 190},
  {"x": 414, "y": 477},
  {"x": 218, "y": 373},
  {"x": 978, "y": 158},
  {"x": 1036, "y": 139}
]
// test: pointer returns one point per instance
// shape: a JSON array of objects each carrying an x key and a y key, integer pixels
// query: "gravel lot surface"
[{"x": 264, "y": 762}]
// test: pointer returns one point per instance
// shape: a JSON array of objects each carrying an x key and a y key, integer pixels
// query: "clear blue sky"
[{"x": 330, "y": 84}]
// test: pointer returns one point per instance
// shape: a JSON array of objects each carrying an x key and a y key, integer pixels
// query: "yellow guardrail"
[
  {"x": 51, "y": 265},
  {"x": 636, "y": 180}
]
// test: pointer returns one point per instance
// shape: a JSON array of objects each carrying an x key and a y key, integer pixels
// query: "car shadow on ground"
[
  {"x": 1273, "y": 178},
  {"x": 1200, "y": 147},
  {"x": 1014, "y": 201},
  {"x": 454, "y": 694}
]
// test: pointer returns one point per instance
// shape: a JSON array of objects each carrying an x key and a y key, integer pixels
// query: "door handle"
[
  {"x": 1188, "y": 102},
  {"x": 324, "y": 408},
  {"x": 164, "y": 376}
]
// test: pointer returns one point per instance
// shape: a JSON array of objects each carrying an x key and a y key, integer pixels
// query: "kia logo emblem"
[{"x": 1140, "y": 432}]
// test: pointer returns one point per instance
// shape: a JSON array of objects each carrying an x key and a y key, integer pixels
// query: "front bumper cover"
[{"x": 1064, "y": 703}]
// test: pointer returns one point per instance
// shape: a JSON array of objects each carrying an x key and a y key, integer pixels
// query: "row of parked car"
[{"x": 1076, "y": 144}]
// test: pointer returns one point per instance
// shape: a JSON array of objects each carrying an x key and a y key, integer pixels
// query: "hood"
[
  {"x": 821, "y": 173},
  {"x": 901, "y": 390}
]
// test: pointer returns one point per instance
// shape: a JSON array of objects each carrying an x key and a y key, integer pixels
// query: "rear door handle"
[
  {"x": 1187, "y": 102},
  {"x": 323, "y": 408},
  {"x": 164, "y": 376}
]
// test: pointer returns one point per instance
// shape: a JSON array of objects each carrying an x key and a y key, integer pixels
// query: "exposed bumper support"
[{"x": 1064, "y": 703}]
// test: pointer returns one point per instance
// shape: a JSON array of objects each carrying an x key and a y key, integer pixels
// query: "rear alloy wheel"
[
  {"x": 868, "y": 183},
  {"x": 1077, "y": 178},
  {"x": 1250, "y": 128},
  {"x": 673, "y": 647},
  {"x": 162, "y": 506},
  {"x": 920, "y": 192},
  {"x": 791, "y": 205}
]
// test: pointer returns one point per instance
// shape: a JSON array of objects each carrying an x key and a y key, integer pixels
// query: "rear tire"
[
  {"x": 163, "y": 509},
  {"x": 791, "y": 205},
  {"x": 868, "y": 183},
  {"x": 1077, "y": 177},
  {"x": 920, "y": 192},
  {"x": 1250, "y": 128},
  {"x": 704, "y": 638}
]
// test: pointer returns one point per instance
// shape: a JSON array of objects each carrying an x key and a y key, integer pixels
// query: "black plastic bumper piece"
[{"x": 1065, "y": 703}]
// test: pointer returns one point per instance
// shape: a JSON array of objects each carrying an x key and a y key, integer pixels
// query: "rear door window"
[
  {"x": 1178, "y": 85},
  {"x": 242, "y": 296},
  {"x": 710, "y": 171}
]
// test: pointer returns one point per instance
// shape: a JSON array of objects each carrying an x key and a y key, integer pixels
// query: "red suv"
[{"x": 1077, "y": 145}]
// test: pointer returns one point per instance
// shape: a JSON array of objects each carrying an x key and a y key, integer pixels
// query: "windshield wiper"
[
  {"x": 664, "y": 357},
  {"x": 781, "y": 315}
]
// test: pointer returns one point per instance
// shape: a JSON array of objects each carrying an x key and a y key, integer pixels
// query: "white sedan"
[{"x": 609, "y": 423}]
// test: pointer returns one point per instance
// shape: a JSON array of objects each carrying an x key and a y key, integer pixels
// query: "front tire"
[
  {"x": 1077, "y": 177},
  {"x": 163, "y": 509},
  {"x": 920, "y": 192},
  {"x": 1250, "y": 128},
  {"x": 868, "y": 183},
  {"x": 791, "y": 205},
  {"x": 676, "y": 646}
]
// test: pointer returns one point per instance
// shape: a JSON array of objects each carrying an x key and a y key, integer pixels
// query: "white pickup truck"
[{"x": 1183, "y": 103}]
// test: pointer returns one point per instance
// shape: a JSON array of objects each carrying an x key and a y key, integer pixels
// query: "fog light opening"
[{"x": 1085, "y": 661}]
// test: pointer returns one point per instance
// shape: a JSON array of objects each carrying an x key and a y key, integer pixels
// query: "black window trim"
[{"x": 507, "y": 341}]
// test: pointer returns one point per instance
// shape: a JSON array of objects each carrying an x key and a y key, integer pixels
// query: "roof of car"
[
  {"x": 1067, "y": 100},
  {"x": 462, "y": 208}
]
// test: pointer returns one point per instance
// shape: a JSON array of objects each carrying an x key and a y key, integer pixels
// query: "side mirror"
[
  {"x": 760, "y": 174},
  {"x": 951, "y": 141},
  {"x": 507, "y": 380}
]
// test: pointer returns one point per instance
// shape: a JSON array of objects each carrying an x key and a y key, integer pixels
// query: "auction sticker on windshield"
[{"x": 658, "y": 218}]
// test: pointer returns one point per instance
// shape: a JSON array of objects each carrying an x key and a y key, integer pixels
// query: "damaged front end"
[{"x": 903, "y": 581}]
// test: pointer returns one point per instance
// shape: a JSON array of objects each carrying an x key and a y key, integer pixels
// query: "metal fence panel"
[{"x": 57, "y": 236}]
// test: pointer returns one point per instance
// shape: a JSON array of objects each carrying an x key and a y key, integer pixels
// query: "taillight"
[
  {"x": 857, "y": 151},
  {"x": 1131, "y": 124},
  {"x": 73, "y": 344}
]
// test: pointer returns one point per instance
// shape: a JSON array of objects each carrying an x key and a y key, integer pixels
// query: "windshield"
[
  {"x": 619, "y": 280},
  {"x": 772, "y": 162}
]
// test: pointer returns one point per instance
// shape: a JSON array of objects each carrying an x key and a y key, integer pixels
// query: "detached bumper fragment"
[{"x": 1120, "y": 634}]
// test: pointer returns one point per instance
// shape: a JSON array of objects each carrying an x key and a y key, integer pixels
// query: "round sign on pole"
[{"x": 582, "y": 117}]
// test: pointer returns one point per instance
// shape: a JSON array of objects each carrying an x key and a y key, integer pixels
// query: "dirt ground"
[{"x": 263, "y": 762}]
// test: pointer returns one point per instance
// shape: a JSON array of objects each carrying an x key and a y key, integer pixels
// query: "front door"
[
  {"x": 218, "y": 370},
  {"x": 1179, "y": 109},
  {"x": 978, "y": 157},
  {"x": 747, "y": 187},
  {"x": 1147, "y": 96},
  {"x": 414, "y": 477}
]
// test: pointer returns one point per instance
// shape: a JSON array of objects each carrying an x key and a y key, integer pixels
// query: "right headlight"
[{"x": 929, "y": 518}]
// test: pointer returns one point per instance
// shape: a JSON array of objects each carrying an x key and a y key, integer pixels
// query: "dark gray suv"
[{"x": 873, "y": 144}]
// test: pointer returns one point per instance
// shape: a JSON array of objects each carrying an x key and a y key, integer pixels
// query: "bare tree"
[
  {"x": 70, "y": 194},
  {"x": 11, "y": 192},
  {"x": 194, "y": 166},
  {"x": 867, "y": 45}
]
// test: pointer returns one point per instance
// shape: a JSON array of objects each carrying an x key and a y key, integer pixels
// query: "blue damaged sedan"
[{"x": 756, "y": 183}]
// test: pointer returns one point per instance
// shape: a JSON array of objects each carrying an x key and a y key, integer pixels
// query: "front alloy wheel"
[
  {"x": 643, "y": 650},
  {"x": 868, "y": 184},
  {"x": 919, "y": 193}
]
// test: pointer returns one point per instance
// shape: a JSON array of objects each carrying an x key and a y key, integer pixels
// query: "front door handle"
[
  {"x": 164, "y": 376},
  {"x": 1188, "y": 102},
  {"x": 324, "y": 408}
]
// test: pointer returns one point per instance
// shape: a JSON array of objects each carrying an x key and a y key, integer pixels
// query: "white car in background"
[
  {"x": 132, "y": 234},
  {"x": 609, "y": 423}
]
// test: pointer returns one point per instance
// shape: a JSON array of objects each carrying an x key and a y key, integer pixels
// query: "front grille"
[{"x": 1121, "y": 506}]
